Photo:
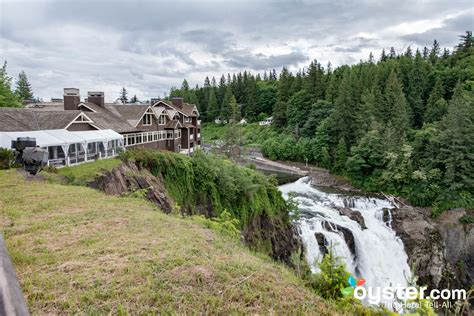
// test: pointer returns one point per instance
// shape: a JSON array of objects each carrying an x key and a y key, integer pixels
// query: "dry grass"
[{"x": 77, "y": 250}]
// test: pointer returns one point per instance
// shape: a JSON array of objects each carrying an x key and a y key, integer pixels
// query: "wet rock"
[
  {"x": 356, "y": 216},
  {"x": 322, "y": 243},
  {"x": 346, "y": 233}
]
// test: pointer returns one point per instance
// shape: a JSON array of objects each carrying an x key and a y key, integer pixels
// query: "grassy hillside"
[{"x": 77, "y": 250}]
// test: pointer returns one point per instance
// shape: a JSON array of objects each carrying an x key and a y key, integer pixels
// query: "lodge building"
[{"x": 76, "y": 131}]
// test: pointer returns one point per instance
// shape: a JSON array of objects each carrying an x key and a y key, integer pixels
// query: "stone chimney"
[
  {"x": 96, "y": 97},
  {"x": 71, "y": 98},
  {"x": 178, "y": 102}
]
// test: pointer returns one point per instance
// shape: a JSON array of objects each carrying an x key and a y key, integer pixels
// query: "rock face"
[
  {"x": 346, "y": 233},
  {"x": 356, "y": 216},
  {"x": 440, "y": 250},
  {"x": 322, "y": 243},
  {"x": 128, "y": 179}
]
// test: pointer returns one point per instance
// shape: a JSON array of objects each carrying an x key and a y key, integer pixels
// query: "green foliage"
[
  {"x": 332, "y": 278},
  {"x": 225, "y": 224},
  {"x": 6, "y": 158},
  {"x": 23, "y": 87},
  {"x": 7, "y": 97},
  {"x": 404, "y": 124},
  {"x": 467, "y": 219},
  {"x": 214, "y": 183}
]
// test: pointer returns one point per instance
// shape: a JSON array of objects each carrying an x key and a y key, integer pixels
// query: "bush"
[
  {"x": 7, "y": 157},
  {"x": 332, "y": 279},
  {"x": 467, "y": 219}
]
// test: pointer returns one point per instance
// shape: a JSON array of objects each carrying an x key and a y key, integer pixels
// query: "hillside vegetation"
[
  {"x": 209, "y": 185},
  {"x": 402, "y": 124},
  {"x": 77, "y": 250}
]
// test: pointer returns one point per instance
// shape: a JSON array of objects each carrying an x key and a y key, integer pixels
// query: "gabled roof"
[
  {"x": 132, "y": 113},
  {"x": 173, "y": 124},
  {"x": 187, "y": 109},
  {"x": 17, "y": 120}
]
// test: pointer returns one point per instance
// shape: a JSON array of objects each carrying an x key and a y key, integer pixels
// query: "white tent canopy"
[{"x": 60, "y": 137}]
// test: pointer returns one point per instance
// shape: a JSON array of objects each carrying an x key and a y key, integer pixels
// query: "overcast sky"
[{"x": 150, "y": 46}]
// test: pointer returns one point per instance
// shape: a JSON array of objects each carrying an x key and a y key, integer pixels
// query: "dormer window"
[
  {"x": 147, "y": 119},
  {"x": 187, "y": 119},
  {"x": 162, "y": 120}
]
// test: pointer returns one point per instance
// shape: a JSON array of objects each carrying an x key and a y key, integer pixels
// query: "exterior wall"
[{"x": 184, "y": 138}]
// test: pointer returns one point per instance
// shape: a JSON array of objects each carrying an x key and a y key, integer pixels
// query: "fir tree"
[
  {"x": 457, "y": 142},
  {"x": 212, "y": 109},
  {"x": 395, "y": 107},
  {"x": 123, "y": 95},
  {"x": 23, "y": 87},
  {"x": 436, "y": 105},
  {"x": 134, "y": 99}
]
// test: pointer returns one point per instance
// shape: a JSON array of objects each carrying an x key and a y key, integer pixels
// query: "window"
[
  {"x": 147, "y": 119},
  {"x": 169, "y": 134},
  {"x": 162, "y": 119},
  {"x": 177, "y": 133},
  {"x": 187, "y": 119}
]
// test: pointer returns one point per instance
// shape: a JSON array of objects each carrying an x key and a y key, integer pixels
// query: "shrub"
[{"x": 6, "y": 158}]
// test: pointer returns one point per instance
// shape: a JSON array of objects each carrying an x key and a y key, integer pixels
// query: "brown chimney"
[
  {"x": 71, "y": 98},
  {"x": 177, "y": 102},
  {"x": 96, "y": 97}
]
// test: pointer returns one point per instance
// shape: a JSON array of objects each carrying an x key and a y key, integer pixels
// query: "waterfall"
[{"x": 336, "y": 219}]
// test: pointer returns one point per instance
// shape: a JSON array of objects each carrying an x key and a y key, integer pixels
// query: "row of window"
[
  {"x": 148, "y": 119},
  {"x": 148, "y": 137}
]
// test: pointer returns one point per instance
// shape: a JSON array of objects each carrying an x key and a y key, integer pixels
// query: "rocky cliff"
[{"x": 441, "y": 250}]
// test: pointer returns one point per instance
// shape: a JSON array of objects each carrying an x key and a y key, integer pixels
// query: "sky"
[{"x": 150, "y": 46}]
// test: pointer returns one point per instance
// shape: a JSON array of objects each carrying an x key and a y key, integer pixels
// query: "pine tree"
[
  {"x": 416, "y": 89},
  {"x": 234, "y": 110},
  {"x": 383, "y": 56},
  {"x": 134, "y": 99},
  {"x": 436, "y": 106},
  {"x": 341, "y": 156},
  {"x": 346, "y": 111},
  {"x": 23, "y": 87},
  {"x": 123, "y": 95},
  {"x": 7, "y": 97},
  {"x": 226, "y": 110},
  {"x": 434, "y": 53},
  {"x": 395, "y": 107},
  {"x": 457, "y": 142},
  {"x": 212, "y": 108}
]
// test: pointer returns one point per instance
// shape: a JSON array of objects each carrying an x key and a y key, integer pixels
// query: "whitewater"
[{"x": 375, "y": 253}]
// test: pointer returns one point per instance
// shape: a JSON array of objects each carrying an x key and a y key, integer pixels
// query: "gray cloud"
[
  {"x": 259, "y": 62},
  {"x": 149, "y": 46}
]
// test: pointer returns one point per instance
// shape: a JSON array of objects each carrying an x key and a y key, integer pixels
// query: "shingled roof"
[
  {"x": 18, "y": 120},
  {"x": 132, "y": 113},
  {"x": 187, "y": 109}
]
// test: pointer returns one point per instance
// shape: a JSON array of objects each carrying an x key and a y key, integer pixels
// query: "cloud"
[
  {"x": 243, "y": 59},
  {"x": 149, "y": 46}
]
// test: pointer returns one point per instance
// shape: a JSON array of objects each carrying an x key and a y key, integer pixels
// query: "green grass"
[
  {"x": 77, "y": 250},
  {"x": 81, "y": 174}
]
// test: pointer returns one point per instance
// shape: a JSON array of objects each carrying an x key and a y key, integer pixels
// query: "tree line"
[
  {"x": 10, "y": 97},
  {"x": 403, "y": 123}
]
